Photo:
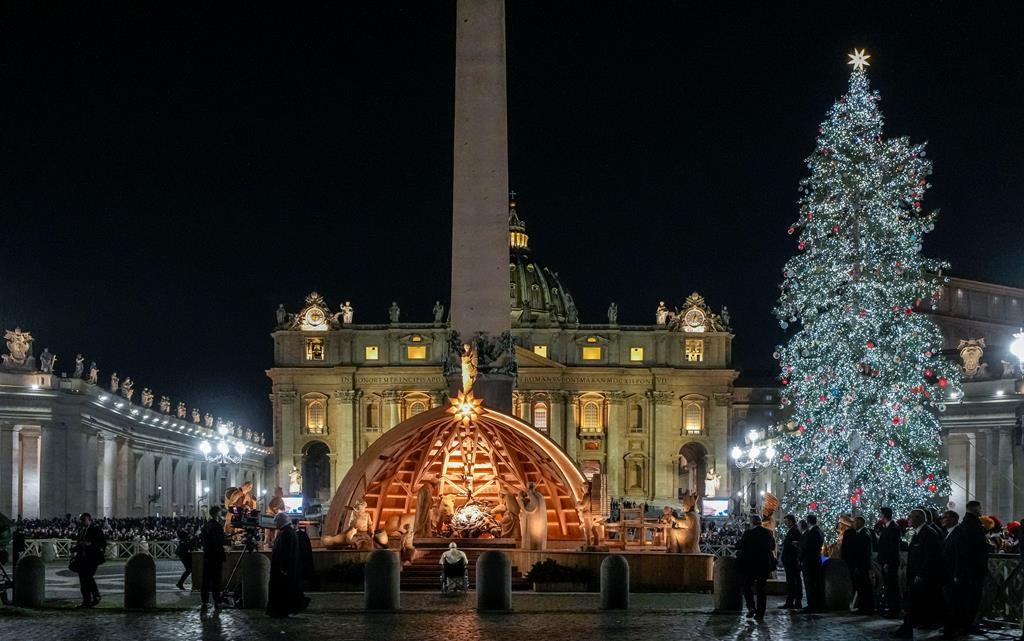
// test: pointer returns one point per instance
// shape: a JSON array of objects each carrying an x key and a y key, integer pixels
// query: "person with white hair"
[
  {"x": 455, "y": 575},
  {"x": 453, "y": 555}
]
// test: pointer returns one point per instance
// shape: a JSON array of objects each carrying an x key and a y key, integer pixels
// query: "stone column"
[
  {"x": 31, "y": 465},
  {"x": 106, "y": 473},
  {"x": 557, "y": 417},
  {"x": 10, "y": 470},
  {"x": 346, "y": 435},
  {"x": 289, "y": 412},
  {"x": 392, "y": 408},
  {"x": 125, "y": 480},
  {"x": 572, "y": 439},
  {"x": 663, "y": 435},
  {"x": 90, "y": 468},
  {"x": 615, "y": 437},
  {"x": 1005, "y": 484},
  {"x": 53, "y": 476},
  {"x": 336, "y": 473}
]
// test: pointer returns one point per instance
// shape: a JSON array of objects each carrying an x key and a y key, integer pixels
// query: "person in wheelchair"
[{"x": 455, "y": 575}]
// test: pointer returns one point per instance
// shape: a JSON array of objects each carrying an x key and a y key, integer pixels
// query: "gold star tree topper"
[
  {"x": 859, "y": 59},
  {"x": 466, "y": 407}
]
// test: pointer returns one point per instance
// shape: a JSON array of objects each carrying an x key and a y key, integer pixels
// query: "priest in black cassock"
[{"x": 285, "y": 594}]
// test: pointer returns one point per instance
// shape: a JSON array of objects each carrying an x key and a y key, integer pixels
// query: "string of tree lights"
[{"x": 862, "y": 374}]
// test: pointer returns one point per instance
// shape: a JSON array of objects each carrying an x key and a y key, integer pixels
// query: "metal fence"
[
  {"x": 1004, "y": 590},
  {"x": 50, "y": 549}
]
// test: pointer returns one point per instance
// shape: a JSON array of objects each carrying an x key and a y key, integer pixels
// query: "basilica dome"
[{"x": 537, "y": 296}]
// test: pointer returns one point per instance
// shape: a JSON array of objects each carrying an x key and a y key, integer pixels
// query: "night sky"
[{"x": 169, "y": 175}]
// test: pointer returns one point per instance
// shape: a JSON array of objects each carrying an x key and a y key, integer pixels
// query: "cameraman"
[{"x": 212, "y": 536}]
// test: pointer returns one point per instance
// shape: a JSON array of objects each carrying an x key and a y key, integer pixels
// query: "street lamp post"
[
  {"x": 755, "y": 457},
  {"x": 224, "y": 454}
]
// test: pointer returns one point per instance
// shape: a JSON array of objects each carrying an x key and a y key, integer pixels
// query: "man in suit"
[
  {"x": 856, "y": 552},
  {"x": 212, "y": 536},
  {"x": 965, "y": 556},
  {"x": 924, "y": 572},
  {"x": 755, "y": 552},
  {"x": 90, "y": 550},
  {"x": 791, "y": 564},
  {"x": 889, "y": 559},
  {"x": 809, "y": 553}
]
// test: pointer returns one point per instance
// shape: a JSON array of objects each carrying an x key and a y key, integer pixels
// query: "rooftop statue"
[
  {"x": 661, "y": 314},
  {"x": 394, "y": 312},
  {"x": 19, "y": 344},
  {"x": 195, "y": 416},
  {"x": 47, "y": 361},
  {"x": 147, "y": 397},
  {"x": 281, "y": 315},
  {"x": 208, "y": 420},
  {"x": 438, "y": 312},
  {"x": 613, "y": 314},
  {"x": 94, "y": 373},
  {"x": 79, "y": 366},
  {"x": 128, "y": 388},
  {"x": 165, "y": 404},
  {"x": 347, "y": 312},
  {"x": 115, "y": 384}
]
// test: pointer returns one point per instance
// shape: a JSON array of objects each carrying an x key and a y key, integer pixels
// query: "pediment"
[{"x": 526, "y": 358}]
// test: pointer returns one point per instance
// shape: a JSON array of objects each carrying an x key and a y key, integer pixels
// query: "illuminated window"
[
  {"x": 636, "y": 422},
  {"x": 371, "y": 353},
  {"x": 636, "y": 354},
  {"x": 591, "y": 353},
  {"x": 314, "y": 349},
  {"x": 540, "y": 416},
  {"x": 541, "y": 350},
  {"x": 591, "y": 419},
  {"x": 417, "y": 407},
  {"x": 316, "y": 417},
  {"x": 694, "y": 350},
  {"x": 417, "y": 339},
  {"x": 693, "y": 417},
  {"x": 591, "y": 339},
  {"x": 416, "y": 352}
]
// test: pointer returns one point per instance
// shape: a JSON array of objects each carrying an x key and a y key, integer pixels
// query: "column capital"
[
  {"x": 392, "y": 396},
  {"x": 660, "y": 398},
  {"x": 345, "y": 396},
  {"x": 616, "y": 398}
]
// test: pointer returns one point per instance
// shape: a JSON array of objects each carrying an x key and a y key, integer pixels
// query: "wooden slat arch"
[{"x": 389, "y": 473}]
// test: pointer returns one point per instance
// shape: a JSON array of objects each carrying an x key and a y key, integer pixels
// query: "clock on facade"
[{"x": 694, "y": 320}]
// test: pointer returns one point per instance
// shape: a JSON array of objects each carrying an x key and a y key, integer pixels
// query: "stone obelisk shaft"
[{"x": 480, "y": 254}]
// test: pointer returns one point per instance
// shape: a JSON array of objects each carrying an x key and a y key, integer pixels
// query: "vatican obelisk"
[{"x": 480, "y": 245}]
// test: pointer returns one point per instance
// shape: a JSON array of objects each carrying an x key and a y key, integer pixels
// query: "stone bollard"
[
  {"x": 140, "y": 583},
  {"x": 838, "y": 586},
  {"x": 381, "y": 581},
  {"x": 255, "y": 571},
  {"x": 615, "y": 583},
  {"x": 30, "y": 582},
  {"x": 47, "y": 551},
  {"x": 493, "y": 582},
  {"x": 728, "y": 595}
]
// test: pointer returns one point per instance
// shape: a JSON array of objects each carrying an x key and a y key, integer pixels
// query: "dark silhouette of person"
[
  {"x": 965, "y": 561},
  {"x": 889, "y": 558},
  {"x": 856, "y": 552},
  {"x": 90, "y": 552},
  {"x": 791, "y": 564},
  {"x": 755, "y": 554},
  {"x": 285, "y": 595},
  {"x": 212, "y": 537},
  {"x": 924, "y": 572},
  {"x": 810, "y": 565},
  {"x": 184, "y": 554}
]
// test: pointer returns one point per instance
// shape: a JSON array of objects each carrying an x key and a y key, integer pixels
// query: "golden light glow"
[
  {"x": 371, "y": 353},
  {"x": 466, "y": 407},
  {"x": 416, "y": 352},
  {"x": 859, "y": 59},
  {"x": 518, "y": 240},
  {"x": 636, "y": 354},
  {"x": 694, "y": 350},
  {"x": 541, "y": 350},
  {"x": 591, "y": 353}
]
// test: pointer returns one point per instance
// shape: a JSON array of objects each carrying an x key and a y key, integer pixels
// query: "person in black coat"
[
  {"x": 791, "y": 564},
  {"x": 965, "y": 556},
  {"x": 810, "y": 565},
  {"x": 755, "y": 552},
  {"x": 924, "y": 573},
  {"x": 889, "y": 559},
  {"x": 90, "y": 551},
  {"x": 212, "y": 537},
  {"x": 286, "y": 571},
  {"x": 184, "y": 554},
  {"x": 856, "y": 552}
]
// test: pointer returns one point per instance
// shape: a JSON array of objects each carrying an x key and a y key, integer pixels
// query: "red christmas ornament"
[
  {"x": 801, "y": 245},
  {"x": 813, "y": 505},
  {"x": 928, "y": 373},
  {"x": 862, "y": 313},
  {"x": 933, "y": 488},
  {"x": 822, "y": 398},
  {"x": 919, "y": 481},
  {"x": 791, "y": 230},
  {"x": 854, "y": 498},
  {"x": 906, "y": 466},
  {"x": 931, "y": 476},
  {"x": 787, "y": 457},
  {"x": 785, "y": 381},
  {"x": 895, "y": 420},
  {"x": 892, "y": 443},
  {"x": 871, "y": 344},
  {"x": 943, "y": 381},
  {"x": 835, "y": 229},
  {"x": 802, "y": 429},
  {"x": 909, "y": 311}
]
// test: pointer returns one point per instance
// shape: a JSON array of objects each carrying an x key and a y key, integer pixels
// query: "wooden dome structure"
[{"x": 469, "y": 462}]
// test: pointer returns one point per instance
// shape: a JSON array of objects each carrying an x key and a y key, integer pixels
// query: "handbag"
[{"x": 73, "y": 564}]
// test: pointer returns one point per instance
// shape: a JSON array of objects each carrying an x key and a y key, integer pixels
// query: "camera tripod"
[{"x": 232, "y": 595}]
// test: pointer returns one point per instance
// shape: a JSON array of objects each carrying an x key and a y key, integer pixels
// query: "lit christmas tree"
[{"x": 862, "y": 375}]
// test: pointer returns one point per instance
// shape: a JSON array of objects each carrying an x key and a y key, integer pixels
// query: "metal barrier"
[
  {"x": 1002, "y": 596},
  {"x": 718, "y": 550},
  {"x": 115, "y": 549}
]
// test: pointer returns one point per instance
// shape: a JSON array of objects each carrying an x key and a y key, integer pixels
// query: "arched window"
[
  {"x": 540, "y": 416},
  {"x": 636, "y": 419},
  {"x": 693, "y": 417},
  {"x": 416, "y": 407},
  {"x": 316, "y": 417},
  {"x": 591, "y": 420},
  {"x": 372, "y": 411}
]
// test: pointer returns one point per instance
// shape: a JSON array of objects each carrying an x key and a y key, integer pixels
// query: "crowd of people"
[
  {"x": 947, "y": 563},
  {"x": 150, "y": 528}
]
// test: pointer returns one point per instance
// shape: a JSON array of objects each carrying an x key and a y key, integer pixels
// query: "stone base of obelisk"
[{"x": 494, "y": 389}]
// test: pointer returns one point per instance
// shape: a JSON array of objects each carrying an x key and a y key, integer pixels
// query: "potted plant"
[{"x": 551, "y": 576}]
